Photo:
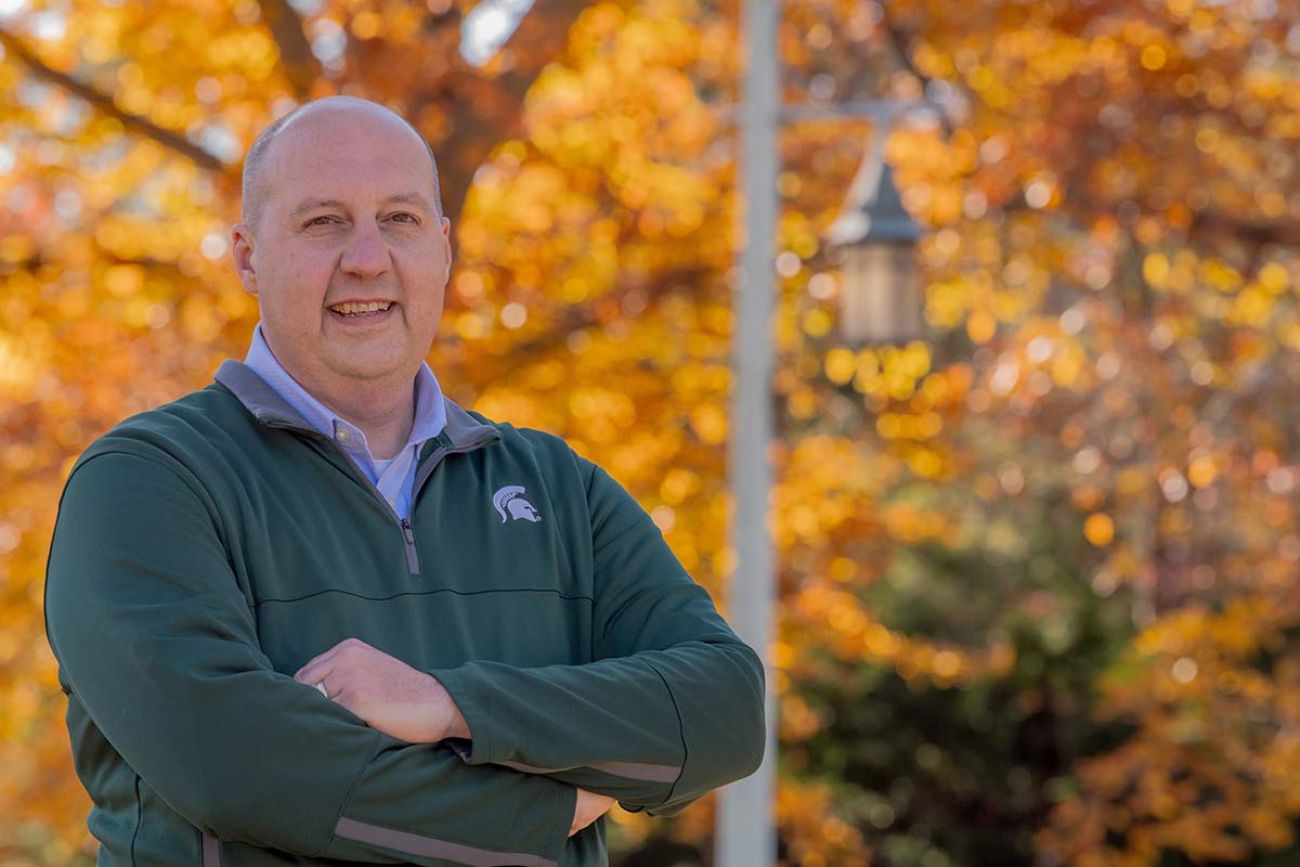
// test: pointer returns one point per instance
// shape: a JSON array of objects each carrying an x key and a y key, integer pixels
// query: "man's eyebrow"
[
  {"x": 306, "y": 205},
  {"x": 312, "y": 204},
  {"x": 409, "y": 199}
]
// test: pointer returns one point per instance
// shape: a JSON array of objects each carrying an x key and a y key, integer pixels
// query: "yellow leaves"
[
  {"x": 1155, "y": 269},
  {"x": 1099, "y": 529},
  {"x": 22, "y": 358},
  {"x": 1153, "y": 57},
  {"x": 16, "y": 248},
  {"x": 124, "y": 280},
  {"x": 471, "y": 326},
  {"x": 989, "y": 86},
  {"x": 853, "y": 634},
  {"x": 1252, "y": 307},
  {"x": 709, "y": 423},
  {"x": 1132, "y": 482},
  {"x": 945, "y": 302},
  {"x": 201, "y": 320},
  {"x": 907, "y": 523},
  {"x": 842, "y": 570},
  {"x": 926, "y": 425},
  {"x": 888, "y": 371},
  {"x": 798, "y": 721},
  {"x": 604, "y": 415},
  {"x": 1268, "y": 828},
  {"x": 981, "y": 326},
  {"x": 366, "y": 24},
  {"x": 1067, "y": 366},
  {"x": 817, "y": 322},
  {"x": 1087, "y": 497},
  {"x": 813, "y": 834},
  {"x": 841, "y": 365},
  {"x": 1202, "y": 471},
  {"x": 1219, "y": 275},
  {"x": 927, "y": 463},
  {"x": 1211, "y": 768},
  {"x": 678, "y": 484},
  {"x": 252, "y": 51}
]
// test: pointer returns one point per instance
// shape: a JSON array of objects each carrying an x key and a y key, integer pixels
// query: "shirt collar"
[{"x": 430, "y": 410}]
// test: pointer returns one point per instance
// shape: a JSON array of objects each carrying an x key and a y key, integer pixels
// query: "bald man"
[{"x": 317, "y": 612}]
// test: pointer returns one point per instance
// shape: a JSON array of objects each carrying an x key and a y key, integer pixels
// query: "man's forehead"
[
  {"x": 357, "y": 168},
  {"x": 376, "y": 148},
  {"x": 345, "y": 134}
]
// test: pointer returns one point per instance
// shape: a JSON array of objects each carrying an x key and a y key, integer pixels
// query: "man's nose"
[{"x": 366, "y": 254}]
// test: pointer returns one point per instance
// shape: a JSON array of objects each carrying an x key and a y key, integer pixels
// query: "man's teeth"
[{"x": 353, "y": 308}]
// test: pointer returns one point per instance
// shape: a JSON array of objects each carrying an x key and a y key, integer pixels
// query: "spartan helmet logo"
[{"x": 510, "y": 499}]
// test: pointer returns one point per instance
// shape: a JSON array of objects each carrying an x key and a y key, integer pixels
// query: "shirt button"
[{"x": 342, "y": 436}]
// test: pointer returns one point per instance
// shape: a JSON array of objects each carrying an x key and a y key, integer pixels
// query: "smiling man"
[{"x": 316, "y": 612}]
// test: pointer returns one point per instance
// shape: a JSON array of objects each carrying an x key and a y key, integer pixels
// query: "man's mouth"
[{"x": 352, "y": 309}]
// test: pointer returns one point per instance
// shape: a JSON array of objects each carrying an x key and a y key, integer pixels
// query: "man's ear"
[
  {"x": 241, "y": 250},
  {"x": 446, "y": 240}
]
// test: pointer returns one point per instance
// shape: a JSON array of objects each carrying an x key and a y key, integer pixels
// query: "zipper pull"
[{"x": 407, "y": 532}]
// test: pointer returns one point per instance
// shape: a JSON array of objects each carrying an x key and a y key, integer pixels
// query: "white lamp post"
[{"x": 746, "y": 826}]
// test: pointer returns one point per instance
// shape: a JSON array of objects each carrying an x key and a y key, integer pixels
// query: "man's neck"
[{"x": 384, "y": 411}]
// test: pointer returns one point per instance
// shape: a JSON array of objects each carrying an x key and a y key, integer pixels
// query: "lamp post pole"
[
  {"x": 746, "y": 821},
  {"x": 746, "y": 828}
]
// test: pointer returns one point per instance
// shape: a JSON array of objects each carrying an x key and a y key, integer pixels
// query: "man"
[{"x": 316, "y": 612}]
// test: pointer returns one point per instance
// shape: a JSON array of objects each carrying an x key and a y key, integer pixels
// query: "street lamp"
[
  {"x": 880, "y": 299},
  {"x": 746, "y": 834}
]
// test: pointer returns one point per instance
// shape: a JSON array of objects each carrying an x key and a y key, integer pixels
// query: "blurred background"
[{"x": 1037, "y": 549}]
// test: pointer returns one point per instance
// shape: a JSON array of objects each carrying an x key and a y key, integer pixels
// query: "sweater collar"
[
  {"x": 430, "y": 409},
  {"x": 461, "y": 432}
]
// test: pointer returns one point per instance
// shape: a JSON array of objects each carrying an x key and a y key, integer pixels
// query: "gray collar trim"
[{"x": 461, "y": 431}]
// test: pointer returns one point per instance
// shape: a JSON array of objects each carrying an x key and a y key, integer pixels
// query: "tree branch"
[
  {"x": 898, "y": 40},
  {"x": 104, "y": 103},
  {"x": 1254, "y": 232},
  {"x": 588, "y": 314},
  {"x": 489, "y": 109},
  {"x": 300, "y": 66}
]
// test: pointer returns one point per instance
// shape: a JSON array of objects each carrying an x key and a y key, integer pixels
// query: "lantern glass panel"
[{"x": 881, "y": 298}]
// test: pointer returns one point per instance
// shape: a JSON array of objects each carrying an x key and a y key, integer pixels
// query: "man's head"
[{"x": 342, "y": 216}]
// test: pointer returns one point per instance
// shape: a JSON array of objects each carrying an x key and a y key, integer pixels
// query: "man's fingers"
[
  {"x": 314, "y": 662},
  {"x": 326, "y": 656},
  {"x": 587, "y": 808},
  {"x": 314, "y": 672}
]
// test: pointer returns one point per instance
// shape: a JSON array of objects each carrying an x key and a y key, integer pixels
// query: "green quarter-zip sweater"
[{"x": 206, "y": 550}]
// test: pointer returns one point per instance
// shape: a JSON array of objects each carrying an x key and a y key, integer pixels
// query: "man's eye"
[
  {"x": 404, "y": 217},
  {"x": 321, "y": 221}
]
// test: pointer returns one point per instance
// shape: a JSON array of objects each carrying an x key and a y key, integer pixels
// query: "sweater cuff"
[{"x": 485, "y": 743}]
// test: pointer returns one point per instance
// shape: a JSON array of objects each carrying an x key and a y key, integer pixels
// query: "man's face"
[{"x": 348, "y": 257}]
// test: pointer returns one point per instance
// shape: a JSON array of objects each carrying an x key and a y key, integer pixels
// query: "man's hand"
[
  {"x": 387, "y": 693},
  {"x": 588, "y": 809}
]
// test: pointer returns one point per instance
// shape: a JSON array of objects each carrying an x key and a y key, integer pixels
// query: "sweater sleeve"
[
  {"x": 673, "y": 704},
  {"x": 155, "y": 638}
]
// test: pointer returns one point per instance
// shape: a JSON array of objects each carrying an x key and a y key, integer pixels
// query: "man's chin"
[{"x": 374, "y": 368}]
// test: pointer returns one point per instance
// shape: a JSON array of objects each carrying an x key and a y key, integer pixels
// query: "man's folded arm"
[
  {"x": 673, "y": 704},
  {"x": 154, "y": 637}
]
